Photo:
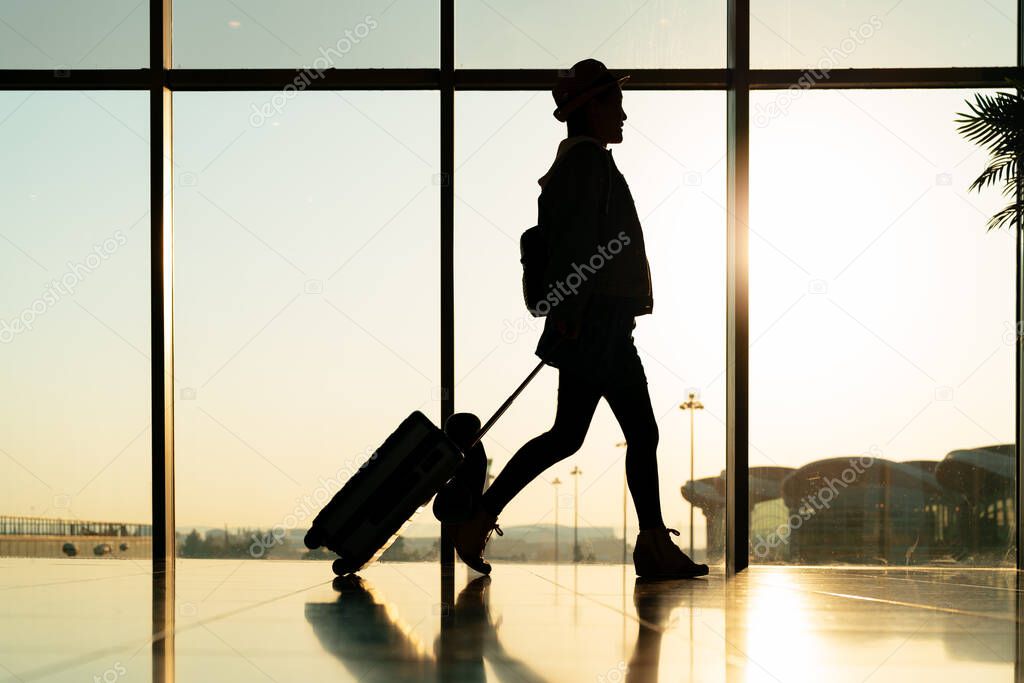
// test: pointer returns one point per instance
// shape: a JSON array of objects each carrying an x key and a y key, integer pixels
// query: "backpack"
[{"x": 534, "y": 255}]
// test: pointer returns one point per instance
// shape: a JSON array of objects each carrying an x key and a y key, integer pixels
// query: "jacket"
[{"x": 597, "y": 259}]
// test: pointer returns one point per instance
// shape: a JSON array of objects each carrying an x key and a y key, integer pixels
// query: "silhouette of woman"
[
  {"x": 366, "y": 634},
  {"x": 599, "y": 281}
]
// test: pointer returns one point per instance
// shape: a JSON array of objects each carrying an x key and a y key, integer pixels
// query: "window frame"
[{"x": 161, "y": 80}]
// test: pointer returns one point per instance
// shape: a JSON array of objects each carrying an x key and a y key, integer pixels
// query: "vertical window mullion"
[
  {"x": 447, "y": 184},
  {"x": 737, "y": 271},
  {"x": 1019, "y": 314},
  {"x": 161, "y": 342}
]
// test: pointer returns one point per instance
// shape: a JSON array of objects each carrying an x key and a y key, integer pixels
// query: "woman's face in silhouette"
[{"x": 605, "y": 116}]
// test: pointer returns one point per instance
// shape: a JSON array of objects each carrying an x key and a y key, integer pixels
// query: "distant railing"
[{"x": 43, "y": 526}]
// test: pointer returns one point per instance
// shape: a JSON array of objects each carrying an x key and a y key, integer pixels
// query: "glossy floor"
[{"x": 91, "y": 620}]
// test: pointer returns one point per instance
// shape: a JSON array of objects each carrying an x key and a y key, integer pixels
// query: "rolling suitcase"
[{"x": 368, "y": 513}]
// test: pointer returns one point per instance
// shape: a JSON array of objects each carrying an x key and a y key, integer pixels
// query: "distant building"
[
  {"x": 984, "y": 479},
  {"x": 866, "y": 510},
  {"x": 52, "y": 537},
  {"x": 766, "y": 510}
]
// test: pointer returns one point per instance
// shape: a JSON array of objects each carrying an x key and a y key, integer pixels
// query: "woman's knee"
[
  {"x": 644, "y": 438},
  {"x": 566, "y": 440}
]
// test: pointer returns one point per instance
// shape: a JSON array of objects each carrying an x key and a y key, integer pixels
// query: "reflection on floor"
[{"x": 288, "y": 621}]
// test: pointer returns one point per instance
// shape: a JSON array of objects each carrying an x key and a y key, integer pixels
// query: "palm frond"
[
  {"x": 1009, "y": 188},
  {"x": 995, "y": 119},
  {"x": 1002, "y": 168},
  {"x": 996, "y": 123},
  {"x": 1006, "y": 217}
]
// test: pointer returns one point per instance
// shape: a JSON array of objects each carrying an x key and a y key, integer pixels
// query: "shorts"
[{"x": 604, "y": 354}]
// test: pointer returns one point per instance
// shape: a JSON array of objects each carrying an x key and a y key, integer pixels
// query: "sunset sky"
[{"x": 307, "y": 252}]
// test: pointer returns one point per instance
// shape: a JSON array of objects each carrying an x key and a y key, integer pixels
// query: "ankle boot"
[
  {"x": 655, "y": 556},
  {"x": 471, "y": 538}
]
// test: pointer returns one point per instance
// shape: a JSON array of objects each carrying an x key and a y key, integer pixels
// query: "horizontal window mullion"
[
  {"x": 895, "y": 78},
  {"x": 493, "y": 79}
]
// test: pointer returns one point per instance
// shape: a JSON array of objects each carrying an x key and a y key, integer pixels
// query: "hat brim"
[{"x": 563, "y": 112}]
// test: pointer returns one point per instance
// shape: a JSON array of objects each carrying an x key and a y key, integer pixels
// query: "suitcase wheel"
[
  {"x": 341, "y": 568},
  {"x": 314, "y": 538}
]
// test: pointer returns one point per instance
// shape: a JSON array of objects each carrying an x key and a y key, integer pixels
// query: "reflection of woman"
[
  {"x": 654, "y": 604},
  {"x": 599, "y": 281},
  {"x": 470, "y": 636},
  {"x": 361, "y": 632}
]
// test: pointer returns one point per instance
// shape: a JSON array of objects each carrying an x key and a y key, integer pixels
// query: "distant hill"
[{"x": 530, "y": 533}]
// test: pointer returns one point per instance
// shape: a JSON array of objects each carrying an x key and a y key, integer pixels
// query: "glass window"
[
  {"x": 74, "y": 324},
  {"x": 881, "y": 334},
  {"x": 504, "y": 143},
  {"x": 531, "y": 34},
  {"x": 837, "y": 34},
  {"x": 320, "y": 34},
  {"x": 306, "y": 301},
  {"x": 55, "y": 34}
]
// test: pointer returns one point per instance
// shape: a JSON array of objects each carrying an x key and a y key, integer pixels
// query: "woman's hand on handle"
[{"x": 570, "y": 329}]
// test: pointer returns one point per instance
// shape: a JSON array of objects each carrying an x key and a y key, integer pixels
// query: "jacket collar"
[{"x": 563, "y": 147}]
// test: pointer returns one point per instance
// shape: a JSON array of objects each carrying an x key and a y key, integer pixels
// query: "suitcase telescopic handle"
[{"x": 504, "y": 406}]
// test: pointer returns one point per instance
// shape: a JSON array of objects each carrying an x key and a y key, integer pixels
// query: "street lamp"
[
  {"x": 556, "y": 483},
  {"x": 576, "y": 472},
  {"x": 625, "y": 495},
  {"x": 693, "y": 405}
]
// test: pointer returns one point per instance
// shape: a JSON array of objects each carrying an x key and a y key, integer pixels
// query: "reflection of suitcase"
[{"x": 366, "y": 515}]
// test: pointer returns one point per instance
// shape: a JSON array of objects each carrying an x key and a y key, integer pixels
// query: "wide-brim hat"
[{"x": 580, "y": 84}]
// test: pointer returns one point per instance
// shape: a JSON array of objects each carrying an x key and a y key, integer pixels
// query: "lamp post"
[
  {"x": 625, "y": 496},
  {"x": 576, "y": 472},
  {"x": 693, "y": 405},
  {"x": 556, "y": 483}
]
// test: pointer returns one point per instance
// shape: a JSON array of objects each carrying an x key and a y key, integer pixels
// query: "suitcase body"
[{"x": 369, "y": 511}]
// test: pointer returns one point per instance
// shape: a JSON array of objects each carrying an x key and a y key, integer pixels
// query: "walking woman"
[{"x": 599, "y": 281}]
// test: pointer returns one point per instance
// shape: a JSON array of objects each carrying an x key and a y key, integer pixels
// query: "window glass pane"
[
  {"x": 306, "y": 302},
  {"x": 56, "y": 34},
  {"x": 504, "y": 143},
  {"x": 881, "y": 343},
  {"x": 836, "y": 34},
  {"x": 74, "y": 324},
  {"x": 320, "y": 34},
  {"x": 634, "y": 34}
]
